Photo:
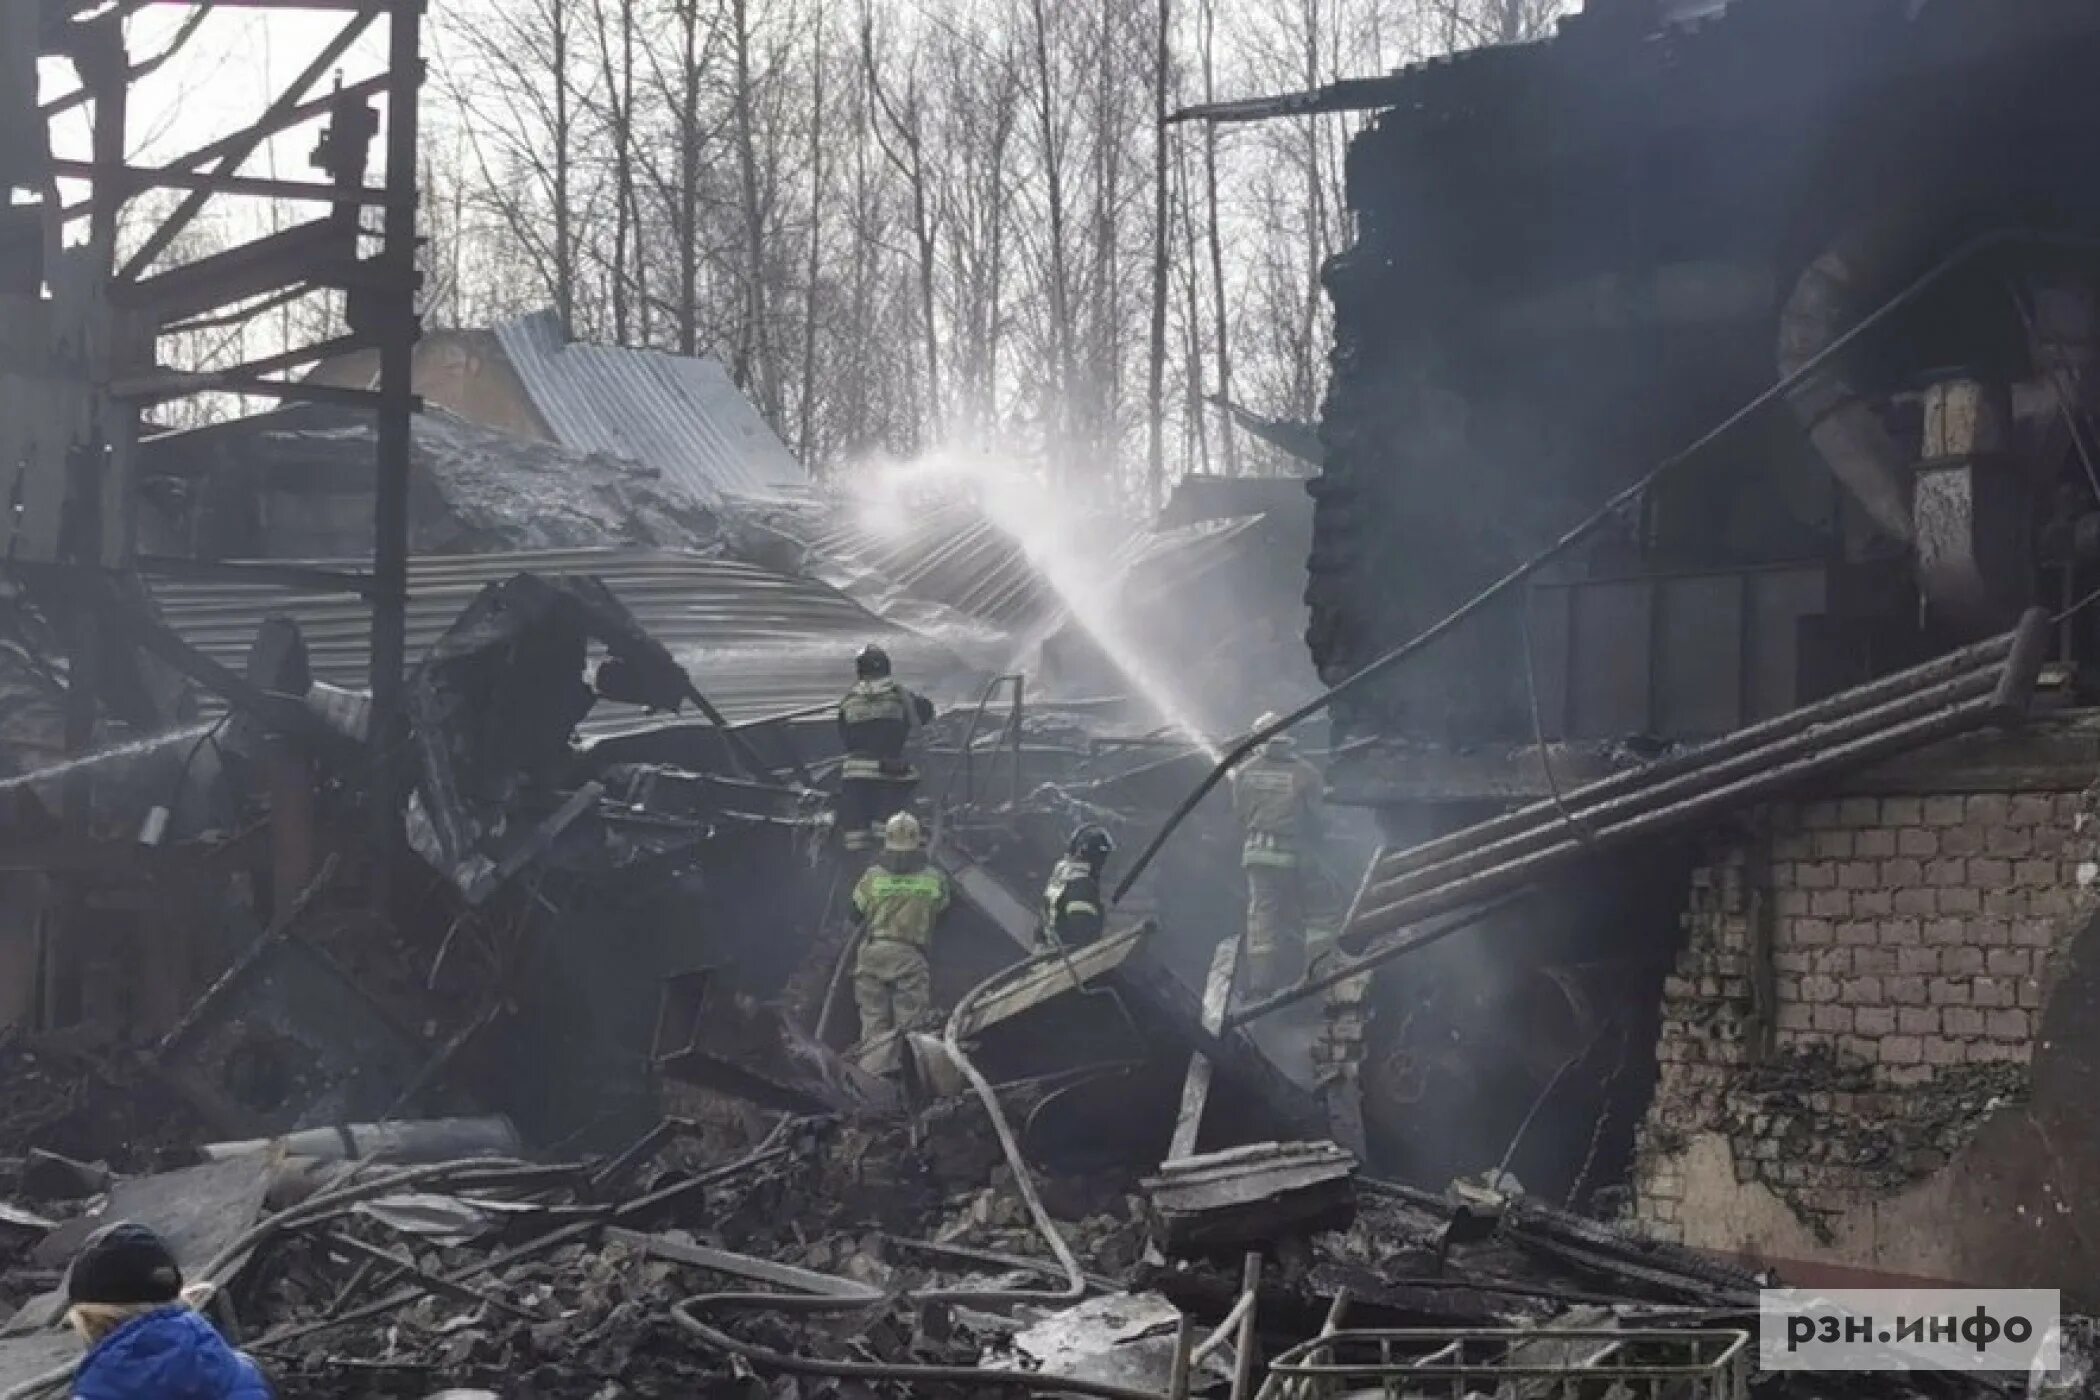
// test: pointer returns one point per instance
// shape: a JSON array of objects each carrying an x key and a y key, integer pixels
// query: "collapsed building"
[
  {"x": 1737, "y": 849},
  {"x": 1805, "y": 292}
]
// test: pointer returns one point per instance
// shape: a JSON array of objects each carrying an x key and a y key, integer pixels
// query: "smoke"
[{"x": 1079, "y": 556}]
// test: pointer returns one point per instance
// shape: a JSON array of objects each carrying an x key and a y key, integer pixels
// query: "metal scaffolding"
[{"x": 89, "y": 300}]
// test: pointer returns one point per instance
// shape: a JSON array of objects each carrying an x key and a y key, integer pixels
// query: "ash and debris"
[{"x": 1810, "y": 1105}]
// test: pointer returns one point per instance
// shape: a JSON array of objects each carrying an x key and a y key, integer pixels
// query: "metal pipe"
[
  {"x": 1697, "y": 779},
  {"x": 415, "y": 1140},
  {"x": 1753, "y": 736},
  {"x": 1401, "y": 914},
  {"x": 1243, "y": 1362}
]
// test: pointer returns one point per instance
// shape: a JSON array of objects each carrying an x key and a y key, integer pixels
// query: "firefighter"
[
  {"x": 875, "y": 719},
  {"x": 1277, "y": 795},
  {"x": 1073, "y": 909},
  {"x": 897, "y": 903}
]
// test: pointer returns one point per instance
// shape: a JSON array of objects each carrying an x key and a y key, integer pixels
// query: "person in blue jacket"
[{"x": 145, "y": 1342}]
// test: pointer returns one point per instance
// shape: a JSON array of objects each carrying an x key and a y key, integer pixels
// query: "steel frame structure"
[{"x": 118, "y": 302}]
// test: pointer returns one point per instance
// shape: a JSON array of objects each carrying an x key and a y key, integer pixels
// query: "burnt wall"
[
  {"x": 1877, "y": 1047},
  {"x": 1571, "y": 260}
]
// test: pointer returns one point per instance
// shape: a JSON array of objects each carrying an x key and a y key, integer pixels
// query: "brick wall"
[{"x": 1860, "y": 989}]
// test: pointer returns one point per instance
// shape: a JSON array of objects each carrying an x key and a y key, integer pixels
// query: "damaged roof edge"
[{"x": 681, "y": 414}]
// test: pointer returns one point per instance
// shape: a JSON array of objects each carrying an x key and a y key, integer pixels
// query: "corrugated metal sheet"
[
  {"x": 679, "y": 414},
  {"x": 758, "y": 644}
]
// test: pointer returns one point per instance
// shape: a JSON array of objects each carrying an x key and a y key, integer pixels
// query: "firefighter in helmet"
[
  {"x": 899, "y": 900},
  {"x": 1073, "y": 907},
  {"x": 1277, "y": 796},
  {"x": 876, "y": 717}
]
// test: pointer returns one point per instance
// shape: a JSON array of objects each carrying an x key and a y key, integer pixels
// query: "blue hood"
[{"x": 172, "y": 1354}]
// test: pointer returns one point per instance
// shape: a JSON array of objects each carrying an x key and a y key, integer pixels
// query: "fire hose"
[{"x": 688, "y": 1314}]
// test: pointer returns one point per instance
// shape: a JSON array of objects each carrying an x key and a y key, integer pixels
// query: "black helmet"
[
  {"x": 1092, "y": 844},
  {"x": 872, "y": 663}
]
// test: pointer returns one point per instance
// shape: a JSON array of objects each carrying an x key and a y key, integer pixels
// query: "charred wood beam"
[{"x": 170, "y": 384}]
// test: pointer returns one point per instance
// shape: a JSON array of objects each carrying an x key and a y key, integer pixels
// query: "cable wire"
[{"x": 1587, "y": 526}]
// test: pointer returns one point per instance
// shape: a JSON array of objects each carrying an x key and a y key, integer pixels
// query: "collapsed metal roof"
[
  {"x": 680, "y": 414},
  {"x": 758, "y": 644}
]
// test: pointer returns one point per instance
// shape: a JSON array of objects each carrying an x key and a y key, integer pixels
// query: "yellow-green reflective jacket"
[{"x": 901, "y": 905}]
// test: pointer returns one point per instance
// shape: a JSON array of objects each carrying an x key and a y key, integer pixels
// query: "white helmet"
[{"x": 901, "y": 834}]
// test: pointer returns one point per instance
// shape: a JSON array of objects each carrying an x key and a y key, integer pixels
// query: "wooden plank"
[{"x": 1195, "y": 1089}]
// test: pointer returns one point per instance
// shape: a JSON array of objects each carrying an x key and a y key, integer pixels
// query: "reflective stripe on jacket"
[
  {"x": 1072, "y": 900},
  {"x": 901, "y": 906}
]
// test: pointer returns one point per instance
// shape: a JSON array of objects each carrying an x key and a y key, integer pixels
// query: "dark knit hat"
[{"x": 124, "y": 1263}]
